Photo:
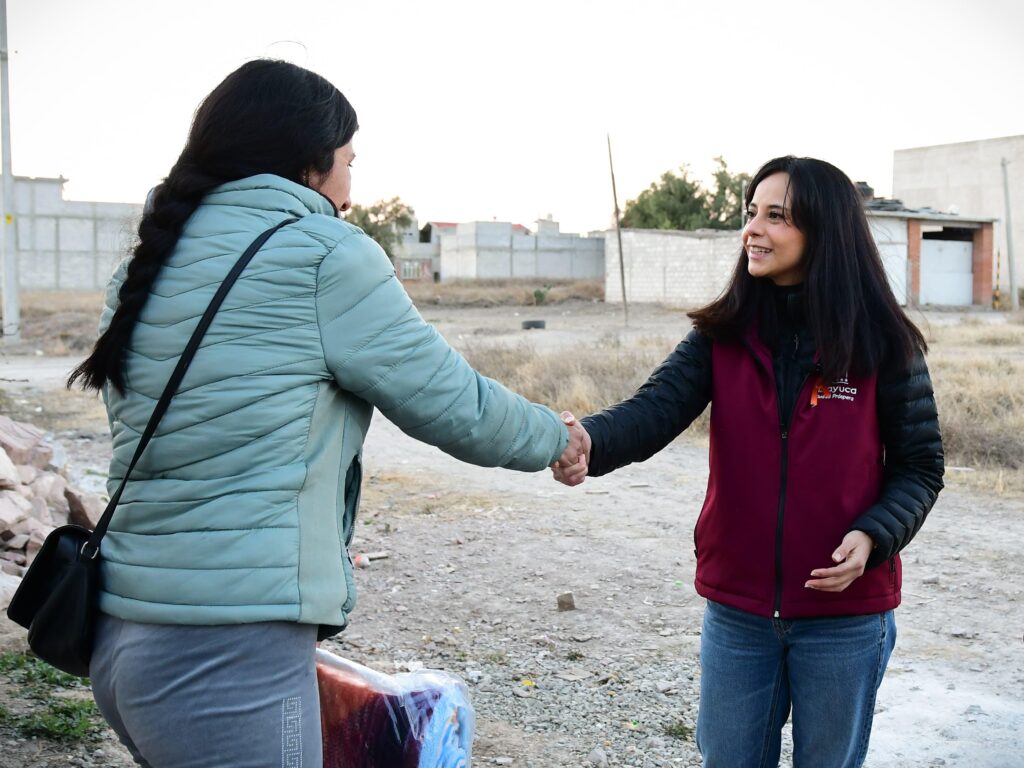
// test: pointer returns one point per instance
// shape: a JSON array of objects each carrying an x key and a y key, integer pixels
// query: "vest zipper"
[
  {"x": 779, "y": 520},
  {"x": 784, "y": 437}
]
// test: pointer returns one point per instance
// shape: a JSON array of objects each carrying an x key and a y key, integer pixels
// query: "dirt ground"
[{"x": 477, "y": 556}]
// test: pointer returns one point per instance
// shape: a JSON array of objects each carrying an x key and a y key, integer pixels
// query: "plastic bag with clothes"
[{"x": 410, "y": 720}]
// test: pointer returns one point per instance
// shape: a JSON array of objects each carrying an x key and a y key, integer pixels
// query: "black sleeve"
[
  {"x": 914, "y": 463},
  {"x": 674, "y": 395}
]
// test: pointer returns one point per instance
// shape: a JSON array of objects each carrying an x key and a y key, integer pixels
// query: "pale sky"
[{"x": 486, "y": 109}]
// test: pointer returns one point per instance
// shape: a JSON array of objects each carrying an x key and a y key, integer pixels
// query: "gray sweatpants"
[{"x": 230, "y": 696}]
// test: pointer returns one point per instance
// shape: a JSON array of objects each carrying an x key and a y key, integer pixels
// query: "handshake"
[{"x": 571, "y": 468}]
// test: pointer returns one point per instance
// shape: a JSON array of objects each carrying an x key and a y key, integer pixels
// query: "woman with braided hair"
[{"x": 226, "y": 559}]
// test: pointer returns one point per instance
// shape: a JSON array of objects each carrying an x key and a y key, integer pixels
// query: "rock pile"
[{"x": 35, "y": 498}]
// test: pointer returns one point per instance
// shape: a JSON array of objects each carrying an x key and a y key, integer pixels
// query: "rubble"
[
  {"x": 24, "y": 443},
  {"x": 35, "y": 498}
]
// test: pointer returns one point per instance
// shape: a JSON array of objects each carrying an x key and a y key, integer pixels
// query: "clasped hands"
[{"x": 571, "y": 468}]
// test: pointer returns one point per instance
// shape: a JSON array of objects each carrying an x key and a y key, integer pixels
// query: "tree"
[
  {"x": 725, "y": 205},
  {"x": 383, "y": 221},
  {"x": 679, "y": 202}
]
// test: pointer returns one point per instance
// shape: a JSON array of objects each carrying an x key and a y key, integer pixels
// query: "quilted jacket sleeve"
[
  {"x": 667, "y": 403},
  {"x": 914, "y": 462},
  {"x": 380, "y": 349}
]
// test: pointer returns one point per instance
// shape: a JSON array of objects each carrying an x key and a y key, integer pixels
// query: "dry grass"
[
  {"x": 981, "y": 409},
  {"x": 980, "y": 397},
  {"x": 56, "y": 410},
  {"x": 977, "y": 369},
  {"x": 971, "y": 333},
  {"x": 59, "y": 323},
  {"x": 503, "y": 293},
  {"x": 590, "y": 378}
]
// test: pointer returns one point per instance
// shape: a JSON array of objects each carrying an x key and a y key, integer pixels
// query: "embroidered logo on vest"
[{"x": 837, "y": 390}]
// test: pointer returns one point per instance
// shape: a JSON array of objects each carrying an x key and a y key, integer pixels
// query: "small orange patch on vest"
[{"x": 819, "y": 392}]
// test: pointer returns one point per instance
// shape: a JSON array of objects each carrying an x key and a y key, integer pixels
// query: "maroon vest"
[{"x": 777, "y": 507}]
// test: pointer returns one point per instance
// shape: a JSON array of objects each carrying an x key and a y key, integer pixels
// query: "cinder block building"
[
  {"x": 934, "y": 259},
  {"x": 967, "y": 178},
  {"x": 502, "y": 250}
]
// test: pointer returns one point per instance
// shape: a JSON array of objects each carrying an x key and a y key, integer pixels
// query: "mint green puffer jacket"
[{"x": 243, "y": 504}]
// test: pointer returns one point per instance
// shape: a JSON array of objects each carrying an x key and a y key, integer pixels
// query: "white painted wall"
[
  {"x": 68, "y": 244},
  {"x": 686, "y": 269},
  {"x": 495, "y": 250},
  {"x": 891, "y": 238},
  {"x": 690, "y": 269}
]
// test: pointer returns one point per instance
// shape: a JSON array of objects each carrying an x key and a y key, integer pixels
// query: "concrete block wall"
[
  {"x": 685, "y": 269},
  {"x": 457, "y": 263},
  {"x": 494, "y": 250},
  {"x": 67, "y": 244}
]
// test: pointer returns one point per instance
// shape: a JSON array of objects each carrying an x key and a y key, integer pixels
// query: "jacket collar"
[{"x": 271, "y": 193}]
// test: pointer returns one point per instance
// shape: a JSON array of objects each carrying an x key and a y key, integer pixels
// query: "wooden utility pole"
[{"x": 618, "y": 234}]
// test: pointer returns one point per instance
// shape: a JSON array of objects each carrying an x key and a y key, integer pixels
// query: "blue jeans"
[{"x": 754, "y": 670}]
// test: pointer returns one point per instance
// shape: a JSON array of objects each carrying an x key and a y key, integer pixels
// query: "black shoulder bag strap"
[{"x": 92, "y": 547}]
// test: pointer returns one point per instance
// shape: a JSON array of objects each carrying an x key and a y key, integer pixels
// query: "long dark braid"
[{"x": 265, "y": 117}]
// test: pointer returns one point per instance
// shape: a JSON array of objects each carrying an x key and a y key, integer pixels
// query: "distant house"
[
  {"x": 932, "y": 258},
  {"x": 502, "y": 250},
  {"x": 433, "y": 230},
  {"x": 967, "y": 177},
  {"x": 478, "y": 250}
]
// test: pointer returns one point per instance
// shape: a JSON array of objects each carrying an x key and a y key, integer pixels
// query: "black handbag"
[{"x": 57, "y": 599}]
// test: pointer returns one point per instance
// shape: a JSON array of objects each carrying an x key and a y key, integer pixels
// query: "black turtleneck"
[{"x": 792, "y": 346}]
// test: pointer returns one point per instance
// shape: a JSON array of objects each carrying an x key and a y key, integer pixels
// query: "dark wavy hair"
[
  {"x": 265, "y": 117},
  {"x": 850, "y": 308}
]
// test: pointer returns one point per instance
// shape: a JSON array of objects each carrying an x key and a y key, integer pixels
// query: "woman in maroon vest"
[{"x": 825, "y": 459}]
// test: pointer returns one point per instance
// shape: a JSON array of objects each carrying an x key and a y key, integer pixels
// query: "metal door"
[{"x": 946, "y": 274}]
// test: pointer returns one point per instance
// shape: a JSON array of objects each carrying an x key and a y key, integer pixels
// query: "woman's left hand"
[{"x": 851, "y": 557}]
